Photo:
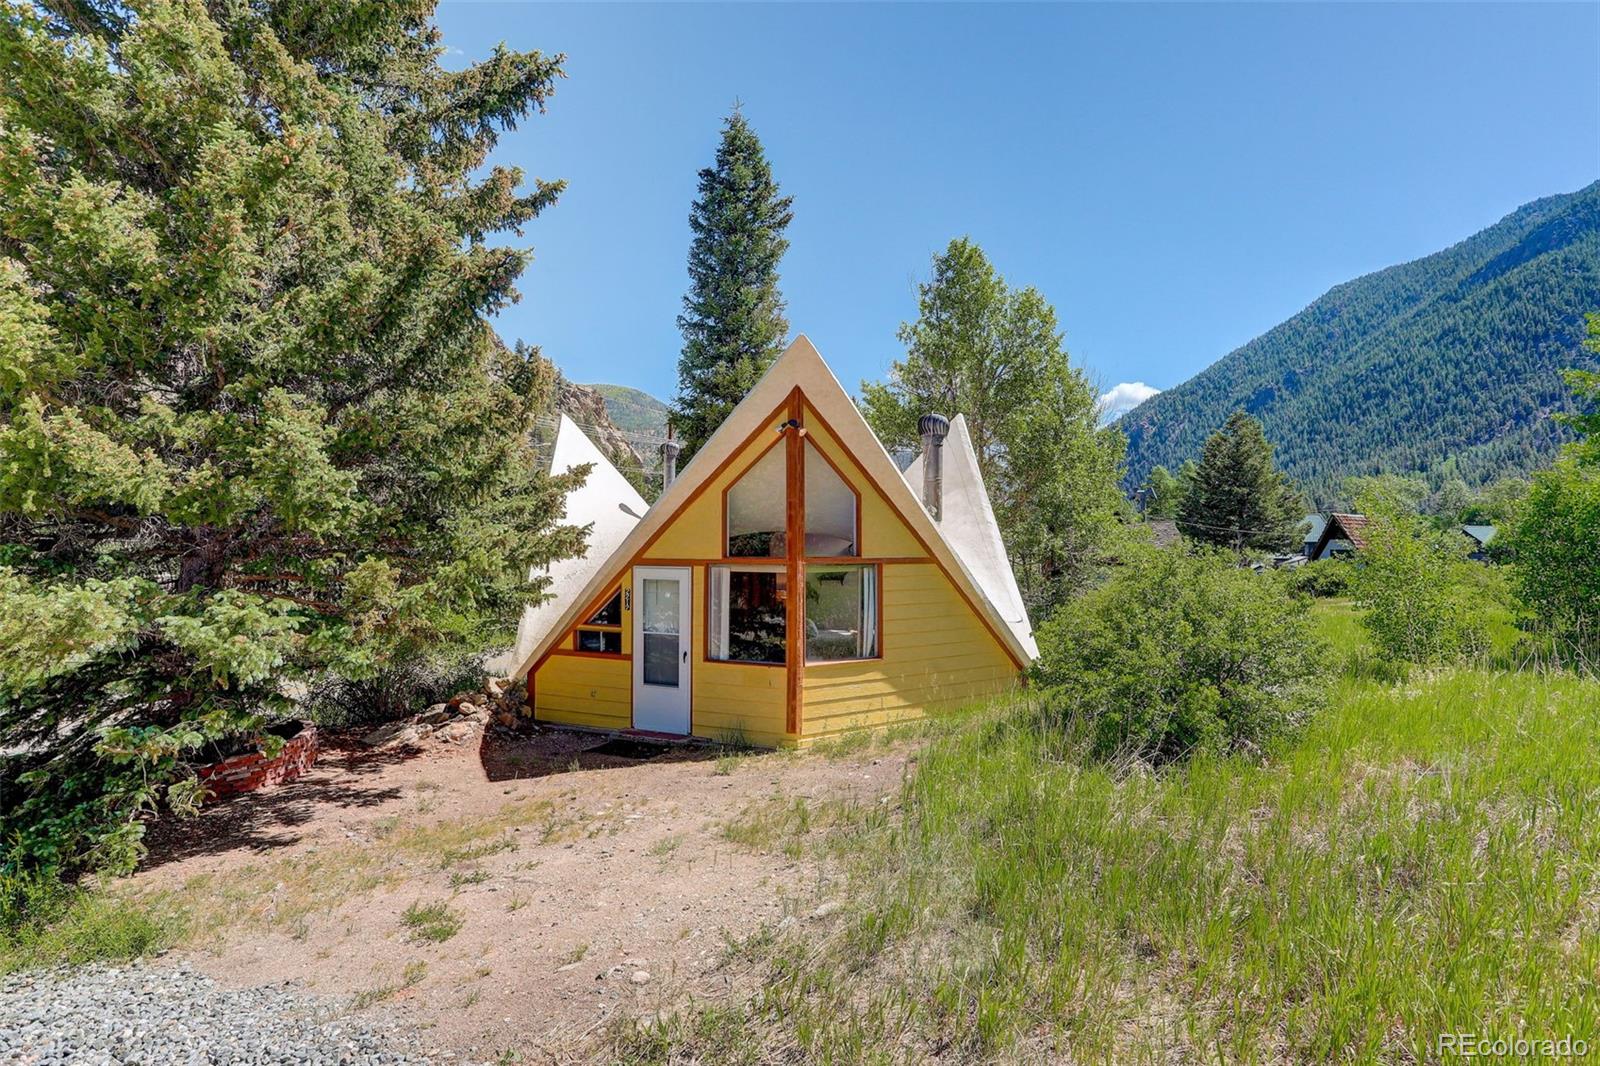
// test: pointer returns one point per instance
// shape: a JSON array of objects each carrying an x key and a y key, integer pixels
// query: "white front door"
[{"x": 661, "y": 648}]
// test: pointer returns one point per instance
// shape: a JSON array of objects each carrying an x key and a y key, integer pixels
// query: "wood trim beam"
[{"x": 794, "y": 547}]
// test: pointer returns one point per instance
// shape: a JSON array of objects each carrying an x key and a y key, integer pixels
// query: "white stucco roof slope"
[
  {"x": 969, "y": 526},
  {"x": 608, "y": 504}
]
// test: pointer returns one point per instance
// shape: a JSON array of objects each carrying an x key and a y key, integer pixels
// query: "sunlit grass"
[{"x": 1424, "y": 857}]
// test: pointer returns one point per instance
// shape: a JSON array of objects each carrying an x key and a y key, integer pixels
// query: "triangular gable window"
[
  {"x": 832, "y": 507},
  {"x": 758, "y": 508}
]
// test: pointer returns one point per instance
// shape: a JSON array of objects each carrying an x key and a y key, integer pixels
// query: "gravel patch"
[{"x": 155, "y": 1015}]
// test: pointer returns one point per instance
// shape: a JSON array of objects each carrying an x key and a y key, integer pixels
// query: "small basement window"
[
  {"x": 747, "y": 614},
  {"x": 602, "y": 632},
  {"x": 841, "y": 613}
]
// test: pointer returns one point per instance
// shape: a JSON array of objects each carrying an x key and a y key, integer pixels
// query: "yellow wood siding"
[
  {"x": 936, "y": 655},
  {"x": 697, "y": 531},
  {"x": 586, "y": 690}
]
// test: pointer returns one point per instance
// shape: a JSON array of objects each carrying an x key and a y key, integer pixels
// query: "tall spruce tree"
[
  {"x": 254, "y": 425},
  {"x": 1238, "y": 499},
  {"x": 733, "y": 324}
]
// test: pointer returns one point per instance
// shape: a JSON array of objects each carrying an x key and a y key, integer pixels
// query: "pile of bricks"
[{"x": 250, "y": 771}]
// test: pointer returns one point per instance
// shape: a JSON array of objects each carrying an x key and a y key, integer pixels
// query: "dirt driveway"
[{"x": 511, "y": 894}]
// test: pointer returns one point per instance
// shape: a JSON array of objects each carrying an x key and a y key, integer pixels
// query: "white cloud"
[{"x": 1124, "y": 397}]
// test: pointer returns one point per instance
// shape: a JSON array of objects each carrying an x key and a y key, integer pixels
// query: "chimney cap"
[{"x": 934, "y": 425}]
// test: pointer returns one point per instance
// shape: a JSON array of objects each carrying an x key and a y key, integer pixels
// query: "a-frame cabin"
[{"x": 789, "y": 585}]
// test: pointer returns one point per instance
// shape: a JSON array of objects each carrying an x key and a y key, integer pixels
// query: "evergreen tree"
[
  {"x": 732, "y": 322},
  {"x": 254, "y": 426},
  {"x": 995, "y": 355},
  {"x": 1239, "y": 500}
]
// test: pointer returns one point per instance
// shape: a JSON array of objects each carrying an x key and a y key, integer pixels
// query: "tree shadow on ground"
[
  {"x": 508, "y": 756},
  {"x": 269, "y": 818}
]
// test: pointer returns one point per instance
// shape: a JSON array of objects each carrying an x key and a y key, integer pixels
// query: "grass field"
[{"x": 1421, "y": 860}]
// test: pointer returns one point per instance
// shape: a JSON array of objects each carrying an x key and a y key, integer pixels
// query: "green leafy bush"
[
  {"x": 1555, "y": 537},
  {"x": 1420, "y": 593},
  {"x": 1181, "y": 651},
  {"x": 1322, "y": 578},
  {"x": 401, "y": 689}
]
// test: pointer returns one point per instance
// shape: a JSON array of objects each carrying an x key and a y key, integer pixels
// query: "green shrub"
[
  {"x": 1424, "y": 600},
  {"x": 1181, "y": 651},
  {"x": 404, "y": 688},
  {"x": 1323, "y": 578}
]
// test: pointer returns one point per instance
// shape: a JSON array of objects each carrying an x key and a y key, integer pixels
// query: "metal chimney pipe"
[
  {"x": 933, "y": 428},
  {"x": 669, "y": 460}
]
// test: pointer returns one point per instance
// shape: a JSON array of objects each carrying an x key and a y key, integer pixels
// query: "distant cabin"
[
  {"x": 1479, "y": 538},
  {"x": 791, "y": 584},
  {"x": 1342, "y": 535},
  {"x": 1314, "y": 524}
]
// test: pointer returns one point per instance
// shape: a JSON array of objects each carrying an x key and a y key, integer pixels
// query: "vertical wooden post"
[{"x": 795, "y": 544}]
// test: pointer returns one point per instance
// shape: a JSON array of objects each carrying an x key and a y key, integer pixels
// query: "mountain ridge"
[{"x": 1446, "y": 365}]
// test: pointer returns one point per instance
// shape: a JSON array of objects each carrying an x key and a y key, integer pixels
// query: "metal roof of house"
[{"x": 1482, "y": 534}]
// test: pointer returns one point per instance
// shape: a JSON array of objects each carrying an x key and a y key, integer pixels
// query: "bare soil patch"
[{"x": 512, "y": 893}]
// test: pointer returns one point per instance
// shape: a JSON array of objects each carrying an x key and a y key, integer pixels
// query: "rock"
[
  {"x": 468, "y": 709},
  {"x": 439, "y": 712},
  {"x": 496, "y": 687},
  {"x": 830, "y": 907},
  {"x": 394, "y": 733},
  {"x": 640, "y": 977},
  {"x": 457, "y": 731},
  {"x": 507, "y": 719},
  {"x": 126, "y": 1014}
]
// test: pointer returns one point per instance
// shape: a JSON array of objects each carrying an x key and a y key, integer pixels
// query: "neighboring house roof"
[
  {"x": 1314, "y": 524},
  {"x": 969, "y": 525},
  {"x": 1164, "y": 532},
  {"x": 1482, "y": 534},
  {"x": 800, "y": 366},
  {"x": 608, "y": 504},
  {"x": 1346, "y": 527}
]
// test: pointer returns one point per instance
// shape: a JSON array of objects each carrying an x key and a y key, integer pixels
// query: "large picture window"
[
  {"x": 758, "y": 506},
  {"x": 747, "y": 605},
  {"x": 841, "y": 613},
  {"x": 830, "y": 509}
]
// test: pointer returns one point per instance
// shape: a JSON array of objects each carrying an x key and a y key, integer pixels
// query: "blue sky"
[{"x": 1175, "y": 179}]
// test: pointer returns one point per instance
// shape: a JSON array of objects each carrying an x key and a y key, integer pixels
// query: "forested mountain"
[
  {"x": 634, "y": 411},
  {"x": 1446, "y": 366}
]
